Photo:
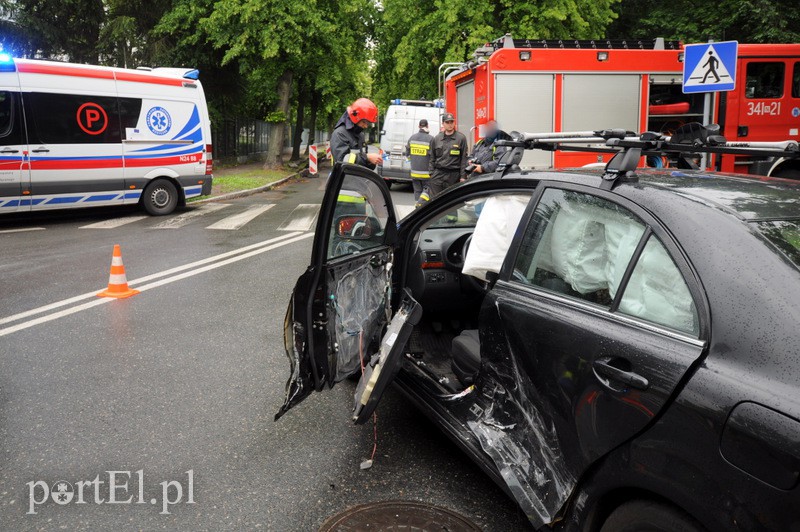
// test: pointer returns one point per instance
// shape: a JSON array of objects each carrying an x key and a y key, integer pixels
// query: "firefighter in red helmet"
[{"x": 347, "y": 141}]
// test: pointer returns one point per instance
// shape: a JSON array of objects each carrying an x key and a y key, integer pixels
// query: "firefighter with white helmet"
[{"x": 347, "y": 141}]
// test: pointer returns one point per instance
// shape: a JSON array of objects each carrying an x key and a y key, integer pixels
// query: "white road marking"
[
  {"x": 302, "y": 218},
  {"x": 140, "y": 280},
  {"x": 113, "y": 223},
  {"x": 231, "y": 223},
  {"x": 188, "y": 216},
  {"x": 161, "y": 282},
  {"x": 403, "y": 210},
  {"x": 22, "y": 230}
]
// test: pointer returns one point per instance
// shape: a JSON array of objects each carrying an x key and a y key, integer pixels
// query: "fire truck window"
[
  {"x": 764, "y": 80},
  {"x": 796, "y": 81},
  {"x": 75, "y": 119}
]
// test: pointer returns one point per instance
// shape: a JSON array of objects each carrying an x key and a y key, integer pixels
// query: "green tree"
[
  {"x": 55, "y": 28},
  {"x": 748, "y": 21},
  {"x": 413, "y": 39}
]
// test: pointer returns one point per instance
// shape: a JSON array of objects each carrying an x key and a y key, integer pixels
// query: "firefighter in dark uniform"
[
  {"x": 448, "y": 157},
  {"x": 347, "y": 140},
  {"x": 418, "y": 149},
  {"x": 485, "y": 154}
]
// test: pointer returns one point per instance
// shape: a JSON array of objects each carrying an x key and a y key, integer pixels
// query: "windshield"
[
  {"x": 785, "y": 235},
  {"x": 466, "y": 215}
]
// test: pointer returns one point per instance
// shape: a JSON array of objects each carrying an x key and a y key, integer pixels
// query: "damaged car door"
[
  {"x": 588, "y": 333},
  {"x": 341, "y": 304}
]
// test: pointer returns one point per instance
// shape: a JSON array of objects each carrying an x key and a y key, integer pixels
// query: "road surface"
[{"x": 186, "y": 376}]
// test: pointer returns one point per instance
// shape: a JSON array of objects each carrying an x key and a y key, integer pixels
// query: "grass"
[{"x": 243, "y": 177}]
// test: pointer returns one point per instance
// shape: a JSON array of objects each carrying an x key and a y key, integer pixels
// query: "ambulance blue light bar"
[
  {"x": 192, "y": 74},
  {"x": 7, "y": 63}
]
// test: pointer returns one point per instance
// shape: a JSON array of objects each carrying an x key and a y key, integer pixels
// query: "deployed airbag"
[{"x": 491, "y": 240}]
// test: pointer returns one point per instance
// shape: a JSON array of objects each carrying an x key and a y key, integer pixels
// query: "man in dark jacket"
[
  {"x": 485, "y": 154},
  {"x": 448, "y": 157},
  {"x": 418, "y": 149},
  {"x": 347, "y": 140}
]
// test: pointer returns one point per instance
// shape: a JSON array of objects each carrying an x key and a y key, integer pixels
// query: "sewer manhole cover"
[{"x": 398, "y": 515}]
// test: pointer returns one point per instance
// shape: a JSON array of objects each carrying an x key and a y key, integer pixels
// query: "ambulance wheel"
[{"x": 160, "y": 197}]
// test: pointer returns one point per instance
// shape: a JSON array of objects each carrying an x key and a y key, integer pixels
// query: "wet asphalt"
[{"x": 186, "y": 376}]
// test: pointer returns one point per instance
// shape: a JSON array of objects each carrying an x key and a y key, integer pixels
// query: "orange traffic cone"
[{"x": 117, "y": 282}]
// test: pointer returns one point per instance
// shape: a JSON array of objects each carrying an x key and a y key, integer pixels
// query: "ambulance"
[
  {"x": 401, "y": 121},
  {"x": 76, "y": 136}
]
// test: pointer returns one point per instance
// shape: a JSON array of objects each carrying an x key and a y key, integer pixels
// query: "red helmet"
[{"x": 363, "y": 109}]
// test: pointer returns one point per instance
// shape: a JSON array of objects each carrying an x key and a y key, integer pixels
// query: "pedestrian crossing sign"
[{"x": 709, "y": 67}]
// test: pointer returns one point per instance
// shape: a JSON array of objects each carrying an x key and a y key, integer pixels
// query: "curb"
[{"x": 248, "y": 192}]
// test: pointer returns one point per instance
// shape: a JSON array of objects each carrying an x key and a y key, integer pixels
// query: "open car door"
[{"x": 341, "y": 304}]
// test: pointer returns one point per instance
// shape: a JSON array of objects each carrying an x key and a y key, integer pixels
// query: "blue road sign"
[{"x": 709, "y": 67}]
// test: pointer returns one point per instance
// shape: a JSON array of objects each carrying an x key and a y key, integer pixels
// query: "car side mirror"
[
  {"x": 357, "y": 227},
  {"x": 383, "y": 131}
]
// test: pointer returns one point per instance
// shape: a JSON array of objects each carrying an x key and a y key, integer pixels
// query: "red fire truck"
[{"x": 558, "y": 86}]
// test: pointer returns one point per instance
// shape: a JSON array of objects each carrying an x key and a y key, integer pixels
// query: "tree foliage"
[
  {"x": 413, "y": 39},
  {"x": 748, "y": 21}
]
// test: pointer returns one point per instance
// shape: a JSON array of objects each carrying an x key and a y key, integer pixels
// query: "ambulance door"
[
  {"x": 75, "y": 140},
  {"x": 14, "y": 174}
]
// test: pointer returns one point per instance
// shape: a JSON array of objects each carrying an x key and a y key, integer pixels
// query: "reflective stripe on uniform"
[
  {"x": 419, "y": 149},
  {"x": 351, "y": 158},
  {"x": 421, "y": 175},
  {"x": 347, "y": 198}
]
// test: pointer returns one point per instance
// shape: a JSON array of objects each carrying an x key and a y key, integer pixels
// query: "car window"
[
  {"x": 796, "y": 81},
  {"x": 657, "y": 292},
  {"x": 359, "y": 218},
  {"x": 578, "y": 245},
  {"x": 764, "y": 80}
]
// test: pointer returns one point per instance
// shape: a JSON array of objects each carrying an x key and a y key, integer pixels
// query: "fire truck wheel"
[
  {"x": 160, "y": 197},
  {"x": 788, "y": 173}
]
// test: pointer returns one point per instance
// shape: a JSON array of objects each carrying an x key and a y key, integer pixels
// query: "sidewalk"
[{"x": 245, "y": 179}]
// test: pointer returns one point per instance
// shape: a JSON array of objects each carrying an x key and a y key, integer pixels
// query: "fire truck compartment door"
[{"x": 524, "y": 102}]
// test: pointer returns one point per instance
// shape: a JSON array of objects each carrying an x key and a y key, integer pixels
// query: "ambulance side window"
[
  {"x": 75, "y": 119},
  {"x": 10, "y": 124},
  {"x": 129, "y": 111},
  {"x": 6, "y": 113}
]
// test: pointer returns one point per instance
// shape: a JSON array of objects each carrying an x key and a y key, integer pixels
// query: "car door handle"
[
  {"x": 8, "y": 150},
  {"x": 606, "y": 369},
  {"x": 40, "y": 150}
]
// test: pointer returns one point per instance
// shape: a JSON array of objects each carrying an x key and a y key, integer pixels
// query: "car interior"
[{"x": 447, "y": 275}]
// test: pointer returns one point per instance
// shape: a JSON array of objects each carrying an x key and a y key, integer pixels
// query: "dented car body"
[{"x": 588, "y": 371}]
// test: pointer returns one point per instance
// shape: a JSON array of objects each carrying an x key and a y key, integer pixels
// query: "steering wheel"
[{"x": 472, "y": 282}]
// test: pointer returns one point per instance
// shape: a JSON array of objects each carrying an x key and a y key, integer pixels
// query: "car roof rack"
[{"x": 682, "y": 148}]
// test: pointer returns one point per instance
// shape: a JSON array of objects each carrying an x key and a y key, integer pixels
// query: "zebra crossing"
[{"x": 303, "y": 217}]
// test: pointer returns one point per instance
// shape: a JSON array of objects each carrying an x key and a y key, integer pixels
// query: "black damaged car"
[{"x": 617, "y": 349}]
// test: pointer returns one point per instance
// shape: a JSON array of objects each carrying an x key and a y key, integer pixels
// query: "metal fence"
[
  {"x": 239, "y": 138},
  {"x": 243, "y": 139}
]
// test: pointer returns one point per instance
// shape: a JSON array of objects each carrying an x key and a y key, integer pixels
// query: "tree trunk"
[
  {"x": 312, "y": 120},
  {"x": 278, "y": 129},
  {"x": 298, "y": 123}
]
